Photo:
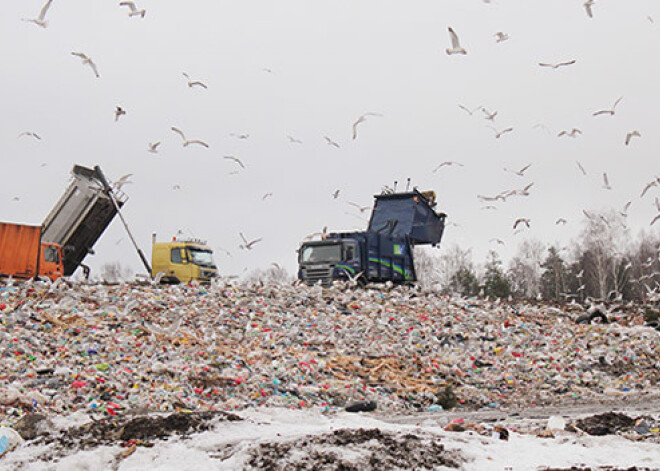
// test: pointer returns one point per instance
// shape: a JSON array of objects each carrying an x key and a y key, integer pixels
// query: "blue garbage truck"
[{"x": 384, "y": 252}]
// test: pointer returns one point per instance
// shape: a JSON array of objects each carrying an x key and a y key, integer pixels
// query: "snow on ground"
[{"x": 233, "y": 445}]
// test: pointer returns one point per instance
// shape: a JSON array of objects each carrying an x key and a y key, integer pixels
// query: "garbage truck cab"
[
  {"x": 182, "y": 261},
  {"x": 328, "y": 259}
]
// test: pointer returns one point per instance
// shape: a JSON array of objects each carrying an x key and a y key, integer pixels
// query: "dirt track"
[{"x": 633, "y": 404}]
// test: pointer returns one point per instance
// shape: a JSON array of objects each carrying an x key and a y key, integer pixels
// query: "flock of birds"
[
  {"x": 489, "y": 115},
  {"x": 457, "y": 48}
]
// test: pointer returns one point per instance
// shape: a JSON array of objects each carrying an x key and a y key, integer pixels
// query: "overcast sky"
[{"x": 308, "y": 69}]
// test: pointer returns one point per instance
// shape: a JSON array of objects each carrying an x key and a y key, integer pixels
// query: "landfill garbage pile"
[{"x": 141, "y": 348}]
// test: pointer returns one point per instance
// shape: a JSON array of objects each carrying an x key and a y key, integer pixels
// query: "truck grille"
[{"x": 312, "y": 275}]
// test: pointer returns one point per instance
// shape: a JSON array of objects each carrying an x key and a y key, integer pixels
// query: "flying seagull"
[
  {"x": 239, "y": 136},
  {"x": 611, "y": 111},
  {"x": 624, "y": 212},
  {"x": 649, "y": 185},
  {"x": 361, "y": 208},
  {"x": 572, "y": 133},
  {"x": 293, "y": 140},
  {"x": 630, "y": 135},
  {"x": 584, "y": 172},
  {"x": 187, "y": 142},
  {"x": 559, "y": 64},
  {"x": 118, "y": 112},
  {"x": 134, "y": 11},
  {"x": 498, "y": 134},
  {"x": 524, "y": 191},
  {"x": 587, "y": 6},
  {"x": 123, "y": 180},
  {"x": 500, "y": 36},
  {"x": 362, "y": 119},
  {"x": 235, "y": 159},
  {"x": 499, "y": 241},
  {"x": 87, "y": 61},
  {"x": 561, "y": 221},
  {"x": 247, "y": 245},
  {"x": 489, "y": 116},
  {"x": 267, "y": 195},
  {"x": 331, "y": 142},
  {"x": 521, "y": 172},
  {"x": 469, "y": 111},
  {"x": 524, "y": 221},
  {"x": 41, "y": 19},
  {"x": 335, "y": 194},
  {"x": 447, "y": 163},
  {"x": 153, "y": 147},
  {"x": 31, "y": 134},
  {"x": 314, "y": 234},
  {"x": 455, "y": 44},
  {"x": 193, "y": 83},
  {"x": 656, "y": 218},
  {"x": 606, "y": 182}
]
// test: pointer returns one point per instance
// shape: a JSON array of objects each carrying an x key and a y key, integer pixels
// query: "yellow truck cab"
[{"x": 181, "y": 261}]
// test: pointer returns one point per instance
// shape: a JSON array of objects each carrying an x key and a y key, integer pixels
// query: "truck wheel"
[
  {"x": 599, "y": 317},
  {"x": 583, "y": 319}
]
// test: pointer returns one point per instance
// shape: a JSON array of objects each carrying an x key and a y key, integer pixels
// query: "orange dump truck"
[{"x": 24, "y": 255}]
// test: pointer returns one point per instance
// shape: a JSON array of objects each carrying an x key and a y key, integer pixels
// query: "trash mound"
[
  {"x": 107, "y": 350},
  {"x": 121, "y": 430},
  {"x": 355, "y": 449}
]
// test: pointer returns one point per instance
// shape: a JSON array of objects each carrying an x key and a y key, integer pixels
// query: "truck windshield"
[
  {"x": 201, "y": 257},
  {"x": 321, "y": 253}
]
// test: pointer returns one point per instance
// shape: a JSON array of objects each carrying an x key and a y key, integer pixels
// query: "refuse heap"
[{"x": 133, "y": 348}]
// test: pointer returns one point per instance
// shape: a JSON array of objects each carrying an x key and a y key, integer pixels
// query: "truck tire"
[
  {"x": 169, "y": 280},
  {"x": 590, "y": 318},
  {"x": 583, "y": 319},
  {"x": 599, "y": 316}
]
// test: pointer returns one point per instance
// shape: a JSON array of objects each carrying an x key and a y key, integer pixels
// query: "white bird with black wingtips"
[
  {"x": 187, "y": 142},
  {"x": 134, "y": 10},
  {"x": 247, "y": 245},
  {"x": 455, "y": 44},
  {"x": 87, "y": 61}
]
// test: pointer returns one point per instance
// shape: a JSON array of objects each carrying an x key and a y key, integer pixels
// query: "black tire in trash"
[{"x": 598, "y": 315}]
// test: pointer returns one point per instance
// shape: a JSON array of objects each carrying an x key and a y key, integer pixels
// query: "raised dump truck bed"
[
  {"x": 410, "y": 214},
  {"x": 81, "y": 215}
]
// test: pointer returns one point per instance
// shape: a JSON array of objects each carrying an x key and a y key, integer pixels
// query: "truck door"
[
  {"x": 181, "y": 266},
  {"x": 51, "y": 261}
]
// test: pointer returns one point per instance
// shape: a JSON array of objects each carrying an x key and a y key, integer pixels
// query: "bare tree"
[
  {"x": 456, "y": 272},
  {"x": 274, "y": 274},
  {"x": 114, "y": 272},
  {"x": 427, "y": 267},
  {"x": 604, "y": 240},
  {"x": 525, "y": 269}
]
